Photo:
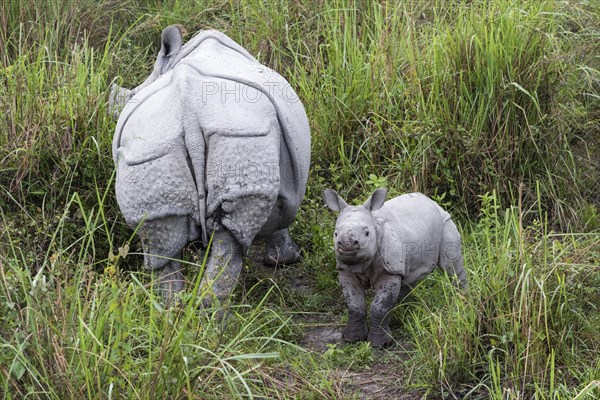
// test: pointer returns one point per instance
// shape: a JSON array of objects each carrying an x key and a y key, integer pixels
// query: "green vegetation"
[{"x": 490, "y": 107}]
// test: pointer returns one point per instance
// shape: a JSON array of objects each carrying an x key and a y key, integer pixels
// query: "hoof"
[
  {"x": 380, "y": 340},
  {"x": 352, "y": 335},
  {"x": 282, "y": 256},
  {"x": 280, "y": 249}
]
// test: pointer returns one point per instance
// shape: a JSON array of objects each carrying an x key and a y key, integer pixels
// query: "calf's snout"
[
  {"x": 348, "y": 245},
  {"x": 347, "y": 240}
]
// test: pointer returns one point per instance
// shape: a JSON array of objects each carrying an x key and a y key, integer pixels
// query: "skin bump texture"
[{"x": 212, "y": 144}]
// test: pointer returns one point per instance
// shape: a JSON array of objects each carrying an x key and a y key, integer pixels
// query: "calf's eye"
[{"x": 367, "y": 233}]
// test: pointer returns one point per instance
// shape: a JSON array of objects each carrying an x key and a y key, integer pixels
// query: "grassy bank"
[{"x": 491, "y": 108}]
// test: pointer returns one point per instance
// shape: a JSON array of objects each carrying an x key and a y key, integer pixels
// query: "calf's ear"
[
  {"x": 333, "y": 200},
  {"x": 376, "y": 200}
]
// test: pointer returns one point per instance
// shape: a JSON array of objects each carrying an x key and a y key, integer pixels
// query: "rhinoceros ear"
[
  {"x": 171, "y": 41},
  {"x": 333, "y": 200},
  {"x": 375, "y": 202}
]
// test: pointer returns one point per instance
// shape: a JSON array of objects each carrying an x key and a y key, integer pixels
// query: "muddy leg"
[
  {"x": 223, "y": 267},
  {"x": 163, "y": 240},
  {"x": 404, "y": 292},
  {"x": 354, "y": 293},
  {"x": 387, "y": 289},
  {"x": 169, "y": 281},
  {"x": 281, "y": 249}
]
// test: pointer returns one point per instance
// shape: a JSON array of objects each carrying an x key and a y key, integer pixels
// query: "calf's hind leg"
[{"x": 451, "y": 258}]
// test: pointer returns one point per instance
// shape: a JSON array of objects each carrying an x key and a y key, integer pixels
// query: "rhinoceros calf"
[
  {"x": 212, "y": 145},
  {"x": 389, "y": 246}
]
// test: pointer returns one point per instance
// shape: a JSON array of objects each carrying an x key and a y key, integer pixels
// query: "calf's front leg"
[
  {"x": 387, "y": 289},
  {"x": 354, "y": 294}
]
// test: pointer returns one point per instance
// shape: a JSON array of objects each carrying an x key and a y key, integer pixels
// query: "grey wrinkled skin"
[
  {"x": 211, "y": 145},
  {"x": 389, "y": 246}
]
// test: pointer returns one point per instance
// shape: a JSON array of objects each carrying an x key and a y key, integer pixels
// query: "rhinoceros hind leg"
[
  {"x": 281, "y": 249},
  {"x": 223, "y": 267},
  {"x": 169, "y": 281},
  {"x": 163, "y": 240}
]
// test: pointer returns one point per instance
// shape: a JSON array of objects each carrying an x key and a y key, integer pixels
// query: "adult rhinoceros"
[{"x": 212, "y": 145}]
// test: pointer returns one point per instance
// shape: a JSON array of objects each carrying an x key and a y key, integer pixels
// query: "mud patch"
[
  {"x": 320, "y": 338},
  {"x": 319, "y": 331},
  {"x": 381, "y": 381},
  {"x": 385, "y": 378}
]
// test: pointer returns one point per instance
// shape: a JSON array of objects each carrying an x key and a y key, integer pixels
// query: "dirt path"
[{"x": 384, "y": 376}]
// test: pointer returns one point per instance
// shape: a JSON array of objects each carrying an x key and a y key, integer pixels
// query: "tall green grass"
[
  {"x": 77, "y": 324},
  {"x": 82, "y": 327},
  {"x": 458, "y": 100},
  {"x": 447, "y": 98},
  {"x": 527, "y": 328}
]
